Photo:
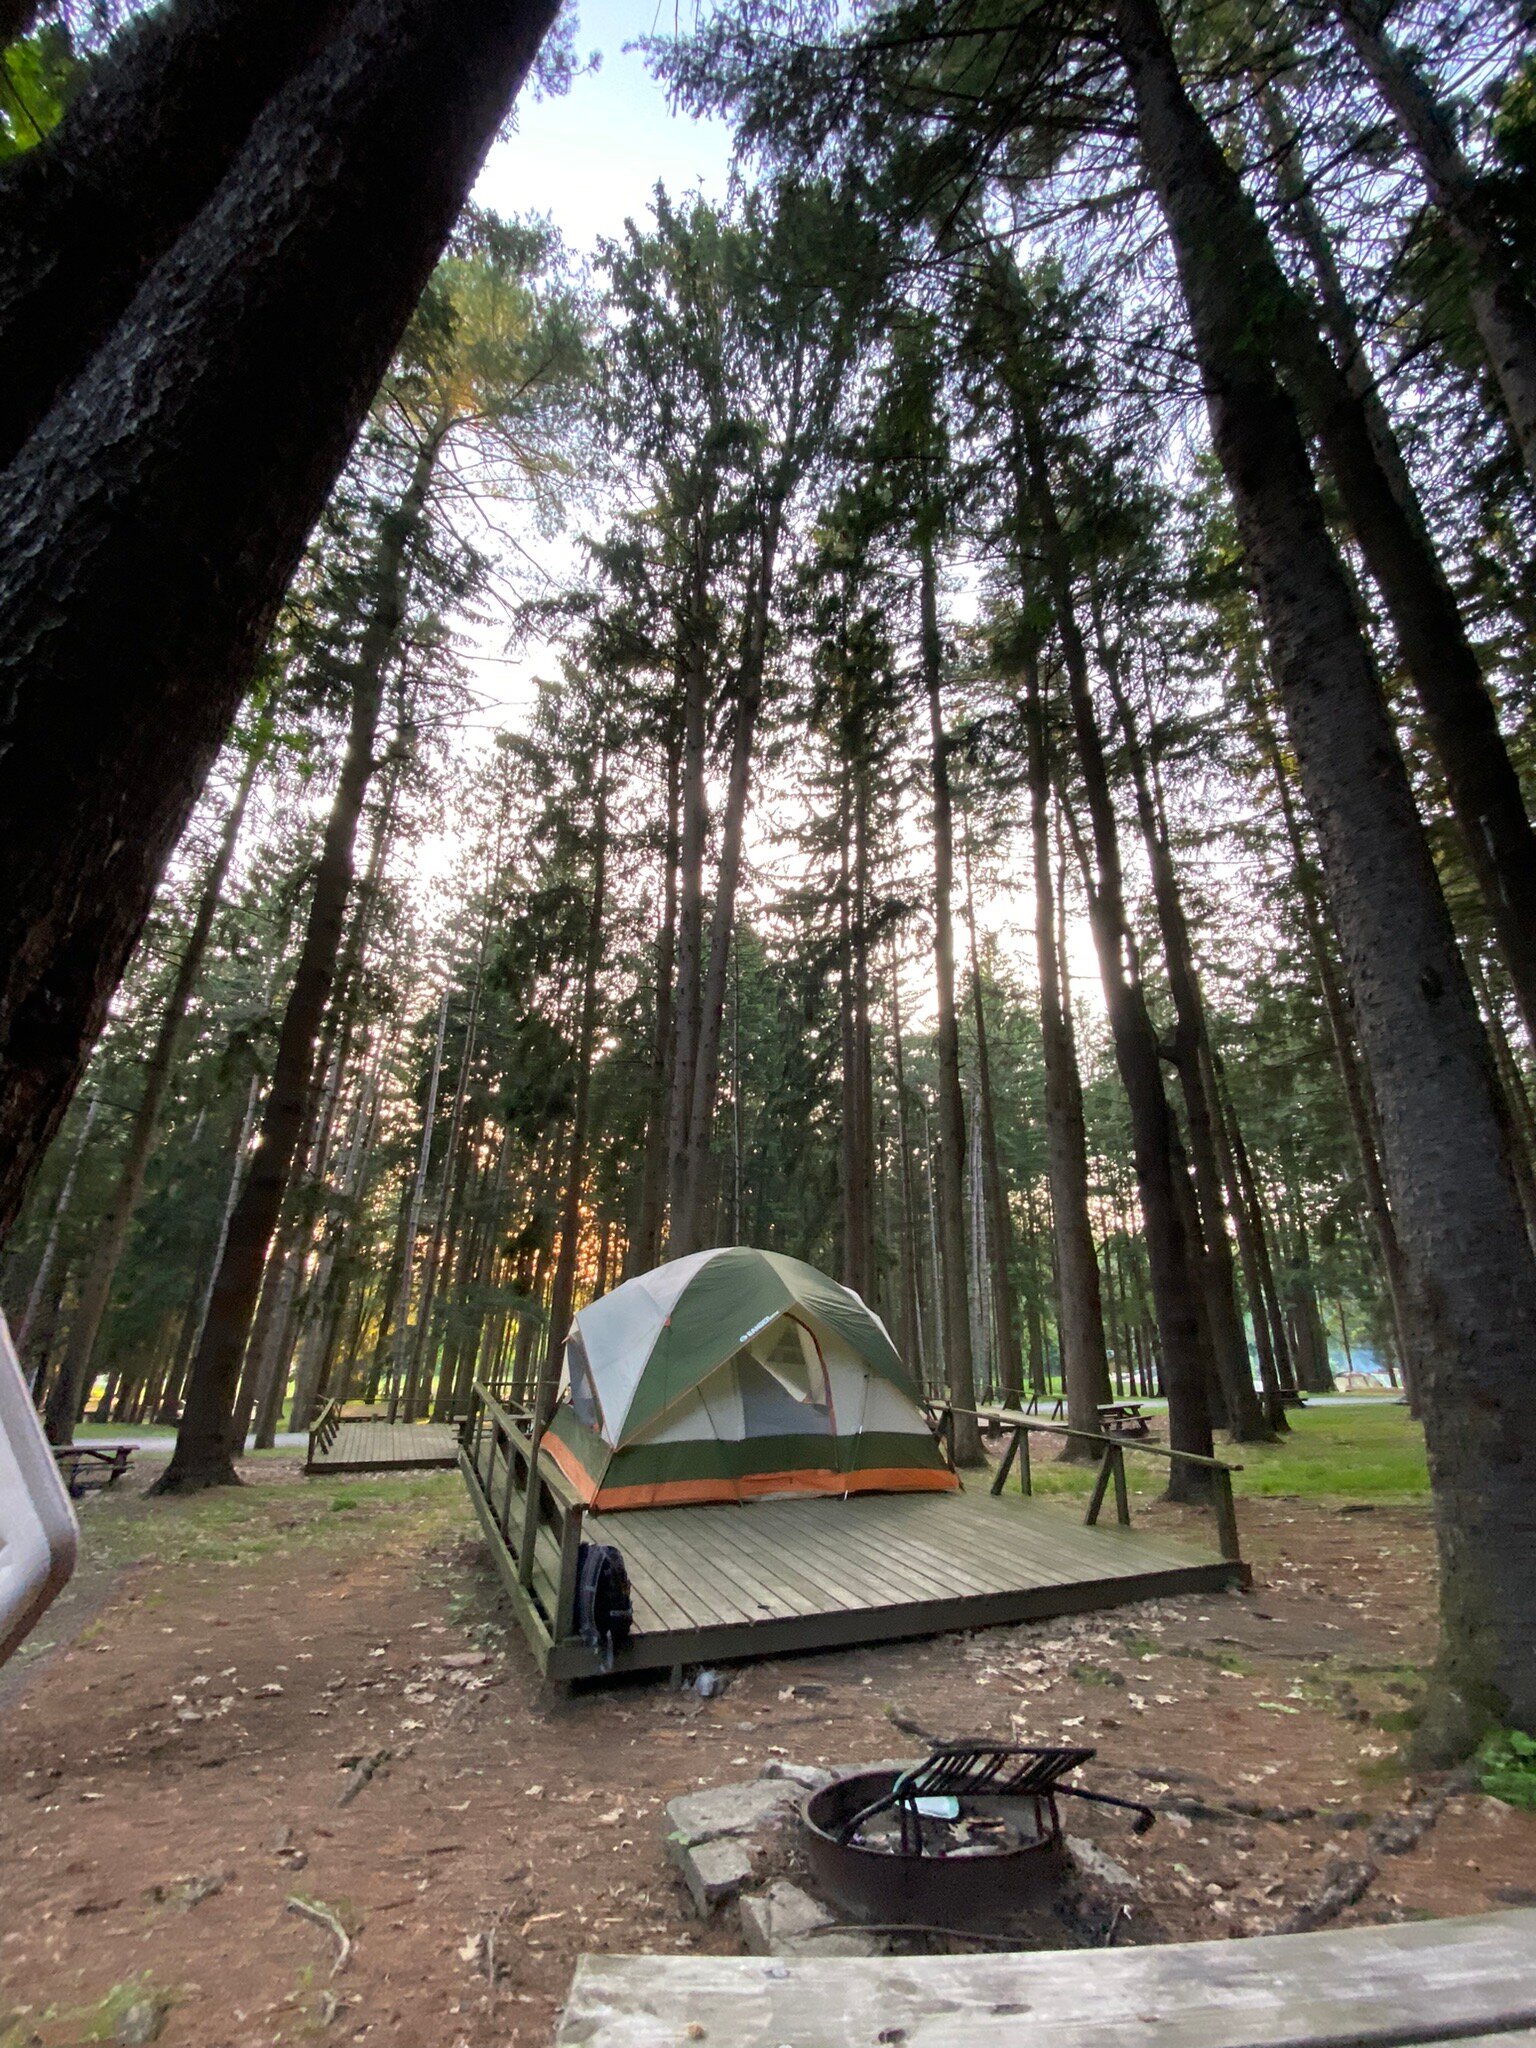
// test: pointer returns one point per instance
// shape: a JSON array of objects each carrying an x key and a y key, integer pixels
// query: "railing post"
[
  {"x": 563, "y": 1620},
  {"x": 1007, "y": 1465},
  {"x": 530, "y": 1543},
  {"x": 1226, "y": 1516},
  {"x": 1100, "y": 1488},
  {"x": 1026, "y": 1474},
  {"x": 1122, "y": 1503}
]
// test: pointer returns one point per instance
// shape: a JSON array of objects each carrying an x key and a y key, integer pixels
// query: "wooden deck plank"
[
  {"x": 768, "y": 1583},
  {"x": 718, "y": 1581},
  {"x": 1461, "y": 1980},
  {"x": 365, "y": 1446}
]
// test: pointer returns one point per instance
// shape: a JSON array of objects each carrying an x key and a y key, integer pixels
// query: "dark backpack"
[{"x": 604, "y": 1616}]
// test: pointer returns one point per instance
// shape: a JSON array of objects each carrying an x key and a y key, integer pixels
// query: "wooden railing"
[
  {"x": 323, "y": 1430},
  {"x": 520, "y": 1496},
  {"x": 1111, "y": 1454}
]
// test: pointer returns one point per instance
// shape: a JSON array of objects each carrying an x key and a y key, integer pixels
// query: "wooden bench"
[
  {"x": 1123, "y": 1418},
  {"x": 1292, "y": 1397},
  {"x": 1471, "y": 1980},
  {"x": 86, "y": 1470}
]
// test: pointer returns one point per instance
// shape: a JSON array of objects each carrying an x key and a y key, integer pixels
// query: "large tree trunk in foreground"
[
  {"x": 86, "y": 215},
  {"x": 136, "y": 585},
  {"x": 1469, "y": 1262},
  {"x": 949, "y": 1190},
  {"x": 1080, "y": 1306},
  {"x": 113, "y": 1234},
  {"x": 1501, "y": 307}
]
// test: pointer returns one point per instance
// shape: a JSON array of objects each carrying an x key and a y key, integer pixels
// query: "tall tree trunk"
[
  {"x": 644, "y": 1248},
  {"x": 205, "y": 1450},
  {"x": 688, "y": 1220},
  {"x": 1363, "y": 1120},
  {"x": 856, "y": 1128},
  {"x": 113, "y": 1235},
  {"x": 1501, "y": 307},
  {"x": 911, "y": 1259},
  {"x": 1000, "y": 1221},
  {"x": 50, "y": 1251},
  {"x": 690, "y": 911},
  {"x": 949, "y": 1190},
  {"x": 564, "y": 1292},
  {"x": 1383, "y": 510},
  {"x": 1137, "y": 1057},
  {"x": 412, "y": 1223},
  {"x": 1246, "y": 1419},
  {"x": 136, "y": 587},
  {"x": 1446, "y": 1151}
]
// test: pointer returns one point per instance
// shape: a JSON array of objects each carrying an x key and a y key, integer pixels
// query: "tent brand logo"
[{"x": 747, "y": 1335}]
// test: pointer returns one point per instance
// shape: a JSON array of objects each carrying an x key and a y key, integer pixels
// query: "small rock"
[
  {"x": 1093, "y": 1862},
  {"x": 730, "y": 1810},
  {"x": 142, "y": 2022},
  {"x": 783, "y": 1921},
  {"x": 463, "y": 1660},
  {"x": 714, "y": 1872},
  {"x": 809, "y": 1777}
]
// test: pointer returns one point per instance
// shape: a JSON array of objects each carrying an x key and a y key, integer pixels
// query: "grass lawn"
[{"x": 1332, "y": 1453}]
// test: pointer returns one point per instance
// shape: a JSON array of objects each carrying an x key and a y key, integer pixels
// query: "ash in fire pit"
[{"x": 969, "y": 1839}]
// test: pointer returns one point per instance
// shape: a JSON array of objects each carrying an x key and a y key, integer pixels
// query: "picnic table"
[
  {"x": 1123, "y": 1418},
  {"x": 83, "y": 1468}
]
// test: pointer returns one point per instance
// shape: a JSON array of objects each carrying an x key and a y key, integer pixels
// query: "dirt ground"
[{"x": 175, "y": 1850}]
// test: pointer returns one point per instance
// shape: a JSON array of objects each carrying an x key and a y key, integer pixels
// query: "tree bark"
[
  {"x": 1380, "y": 504},
  {"x": 564, "y": 1292},
  {"x": 644, "y": 1248},
  {"x": 1445, "y": 1144},
  {"x": 113, "y": 1234},
  {"x": 137, "y": 587},
  {"x": 1080, "y": 1307},
  {"x": 1010, "y": 1362},
  {"x": 138, "y": 153},
  {"x": 1246, "y": 1419},
  {"x": 955, "y": 1321},
  {"x": 1169, "y": 1253},
  {"x": 1501, "y": 307},
  {"x": 1363, "y": 1120},
  {"x": 690, "y": 910},
  {"x": 688, "y": 1219}
]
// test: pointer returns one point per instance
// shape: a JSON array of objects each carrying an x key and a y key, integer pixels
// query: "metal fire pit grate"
[
  {"x": 976, "y": 1837},
  {"x": 987, "y": 1770}
]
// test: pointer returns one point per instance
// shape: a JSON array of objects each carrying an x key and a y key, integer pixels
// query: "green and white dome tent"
[{"x": 735, "y": 1374}]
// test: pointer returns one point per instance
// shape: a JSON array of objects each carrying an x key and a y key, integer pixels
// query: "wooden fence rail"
[
  {"x": 1111, "y": 1452},
  {"x": 531, "y": 1514},
  {"x": 322, "y": 1431}
]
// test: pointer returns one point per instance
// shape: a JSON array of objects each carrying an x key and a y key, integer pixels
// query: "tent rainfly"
[{"x": 732, "y": 1375}]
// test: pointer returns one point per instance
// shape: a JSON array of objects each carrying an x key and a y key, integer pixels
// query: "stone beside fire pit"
[{"x": 737, "y": 1846}]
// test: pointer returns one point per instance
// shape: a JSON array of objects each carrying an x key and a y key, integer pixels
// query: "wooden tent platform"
[
  {"x": 1471, "y": 1981},
  {"x": 780, "y": 1576},
  {"x": 358, "y": 1445}
]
